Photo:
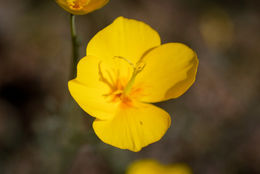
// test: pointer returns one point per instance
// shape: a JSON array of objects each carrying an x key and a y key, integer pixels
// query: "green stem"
[{"x": 75, "y": 46}]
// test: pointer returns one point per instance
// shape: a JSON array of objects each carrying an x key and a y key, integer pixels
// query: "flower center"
[
  {"x": 77, "y": 4},
  {"x": 118, "y": 93},
  {"x": 122, "y": 89}
]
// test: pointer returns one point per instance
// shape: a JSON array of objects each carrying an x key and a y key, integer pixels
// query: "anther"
[{"x": 139, "y": 67}]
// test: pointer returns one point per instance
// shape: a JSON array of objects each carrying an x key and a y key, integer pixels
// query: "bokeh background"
[{"x": 215, "y": 125}]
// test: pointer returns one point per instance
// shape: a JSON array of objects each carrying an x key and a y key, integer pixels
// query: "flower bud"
[{"x": 81, "y": 7}]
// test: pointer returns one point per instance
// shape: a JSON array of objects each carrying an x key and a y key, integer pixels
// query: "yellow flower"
[
  {"x": 81, "y": 7},
  {"x": 125, "y": 69},
  {"x": 153, "y": 167}
]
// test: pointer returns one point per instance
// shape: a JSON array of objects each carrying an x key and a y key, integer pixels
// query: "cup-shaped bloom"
[
  {"x": 153, "y": 167},
  {"x": 126, "y": 68},
  {"x": 81, "y": 7}
]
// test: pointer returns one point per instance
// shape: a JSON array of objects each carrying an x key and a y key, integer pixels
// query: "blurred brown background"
[{"x": 215, "y": 125}]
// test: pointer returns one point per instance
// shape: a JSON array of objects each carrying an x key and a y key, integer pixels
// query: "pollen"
[
  {"x": 123, "y": 89},
  {"x": 77, "y": 4},
  {"x": 117, "y": 94}
]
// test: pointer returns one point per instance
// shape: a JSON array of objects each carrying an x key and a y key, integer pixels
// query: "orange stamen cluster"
[
  {"x": 76, "y": 4},
  {"x": 117, "y": 89}
]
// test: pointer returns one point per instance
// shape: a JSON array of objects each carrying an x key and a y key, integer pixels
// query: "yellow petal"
[
  {"x": 103, "y": 73},
  {"x": 95, "y": 80},
  {"x": 149, "y": 166},
  {"x": 178, "y": 169},
  {"x": 126, "y": 38},
  {"x": 169, "y": 71},
  {"x": 145, "y": 167},
  {"x": 133, "y": 127},
  {"x": 81, "y": 7},
  {"x": 92, "y": 100},
  {"x": 88, "y": 72}
]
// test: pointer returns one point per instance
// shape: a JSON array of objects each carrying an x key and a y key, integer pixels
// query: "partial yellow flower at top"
[
  {"x": 153, "y": 167},
  {"x": 81, "y": 7},
  {"x": 125, "y": 69}
]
